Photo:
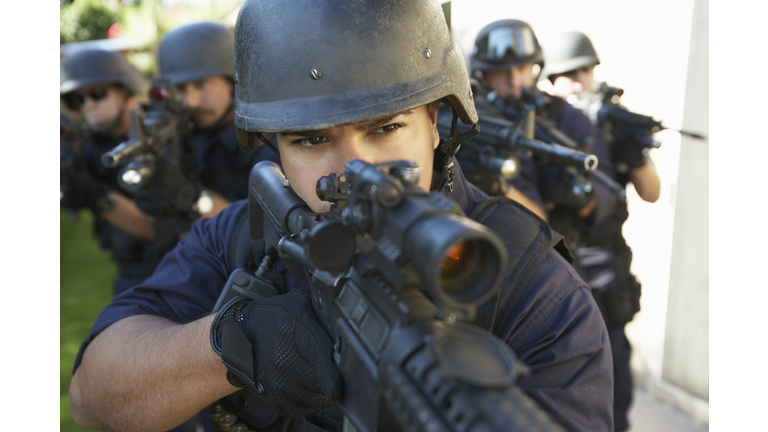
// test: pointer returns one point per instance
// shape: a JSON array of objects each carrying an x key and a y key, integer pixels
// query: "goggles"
[
  {"x": 503, "y": 43},
  {"x": 75, "y": 101}
]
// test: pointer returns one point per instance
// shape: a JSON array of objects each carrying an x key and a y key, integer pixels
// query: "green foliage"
[
  {"x": 84, "y": 20},
  {"x": 143, "y": 22},
  {"x": 86, "y": 277}
]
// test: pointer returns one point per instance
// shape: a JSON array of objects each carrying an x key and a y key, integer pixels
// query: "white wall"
[{"x": 644, "y": 48}]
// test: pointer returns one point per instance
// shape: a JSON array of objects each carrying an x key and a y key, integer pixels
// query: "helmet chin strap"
[{"x": 444, "y": 154}]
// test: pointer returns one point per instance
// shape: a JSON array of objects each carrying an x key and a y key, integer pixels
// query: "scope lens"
[
  {"x": 160, "y": 94},
  {"x": 461, "y": 266}
]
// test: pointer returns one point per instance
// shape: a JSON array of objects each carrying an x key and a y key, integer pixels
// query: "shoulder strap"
[{"x": 528, "y": 239}]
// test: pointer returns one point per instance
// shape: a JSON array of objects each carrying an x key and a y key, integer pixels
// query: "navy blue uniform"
[
  {"x": 555, "y": 328},
  {"x": 136, "y": 259},
  {"x": 604, "y": 262},
  {"x": 222, "y": 167},
  {"x": 601, "y": 255}
]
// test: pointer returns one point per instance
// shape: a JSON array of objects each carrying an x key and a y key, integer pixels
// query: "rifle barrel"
[{"x": 122, "y": 152}]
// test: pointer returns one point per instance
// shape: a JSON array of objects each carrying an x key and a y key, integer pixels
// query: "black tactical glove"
[
  {"x": 564, "y": 186},
  {"x": 628, "y": 152},
  {"x": 275, "y": 347},
  {"x": 79, "y": 189},
  {"x": 169, "y": 192}
]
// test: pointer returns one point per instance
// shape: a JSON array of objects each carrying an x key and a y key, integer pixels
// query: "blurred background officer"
[
  {"x": 102, "y": 87},
  {"x": 605, "y": 259},
  {"x": 506, "y": 62},
  {"x": 198, "y": 59}
]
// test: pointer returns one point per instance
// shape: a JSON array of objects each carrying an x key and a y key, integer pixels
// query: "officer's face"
[
  {"x": 574, "y": 82},
  {"x": 307, "y": 156},
  {"x": 100, "y": 103},
  {"x": 207, "y": 99},
  {"x": 509, "y": 82}
]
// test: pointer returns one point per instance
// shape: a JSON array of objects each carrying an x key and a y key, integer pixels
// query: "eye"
[
  {"x": 387, "y": 129},
  {"x": 311, "y": 141}
]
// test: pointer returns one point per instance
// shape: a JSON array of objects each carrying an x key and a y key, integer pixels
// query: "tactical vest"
[{"x": 527, "y": 238}]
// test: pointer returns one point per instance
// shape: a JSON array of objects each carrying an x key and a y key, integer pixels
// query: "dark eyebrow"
[
  {"x": 362, "y": 127},
  {"x": 373, "y": 124}
]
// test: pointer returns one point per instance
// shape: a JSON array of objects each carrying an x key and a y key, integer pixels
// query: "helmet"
[
  {"x": 569, "y": 51},
  {"x": 195, "y": 51},
  {"x": 89, "y": 67},
  {"x": 503, "y": 44},
  {"x": 333, "y": 63}
]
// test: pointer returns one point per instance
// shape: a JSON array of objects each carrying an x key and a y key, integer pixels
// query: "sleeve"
[
  {"x": 577, "y": 125},
  {"x": 556, "y": 329},
  {"x": 186, "y": 283}
]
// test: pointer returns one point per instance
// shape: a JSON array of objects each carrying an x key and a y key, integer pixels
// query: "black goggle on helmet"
[
  {"x": 304, "y": 65},
  {"x": 503, "y": 44},
  {"x": 91, "y": 67},
  {"x": 195, "y": 51},
  {"x": 567, "y": 52}
]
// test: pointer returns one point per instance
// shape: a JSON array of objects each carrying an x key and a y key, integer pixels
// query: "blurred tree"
[
  {"x": 142, "y": 22},
  {"x": 84, "y": 20}
]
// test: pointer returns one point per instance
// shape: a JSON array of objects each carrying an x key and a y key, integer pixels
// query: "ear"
[{"x": 432, "y": 111}]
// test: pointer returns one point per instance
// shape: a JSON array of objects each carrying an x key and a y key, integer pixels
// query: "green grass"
[{"x": 86, "y": 278}]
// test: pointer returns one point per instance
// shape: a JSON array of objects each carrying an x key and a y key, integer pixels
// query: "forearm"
[
  {"x": 126, "y": 216},
  {"x": 147, "y": 373},
  {"x": 530, "y": 204},
  {"x": 646, "y": 181}
]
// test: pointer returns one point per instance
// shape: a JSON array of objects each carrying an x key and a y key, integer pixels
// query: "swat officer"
[
  {"x": 103, "y": 87},
  {"x": 604, "y": 261},
  {"x": 149, "y": 350},
  {"x": 198, "y": 59},
  {"x": 506, "y": 62}
]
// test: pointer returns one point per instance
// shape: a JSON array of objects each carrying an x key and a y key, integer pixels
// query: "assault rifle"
[
  {"x": 159, "y": 129},
  {"x": 396, "y": 273},
  {"x": 545, "y": 130},
  {"x": 641, "y": 127}
]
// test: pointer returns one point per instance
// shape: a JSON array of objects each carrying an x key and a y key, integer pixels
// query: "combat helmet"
[
  {"x": 567, "y": 52},
  {"x": 90, "y": 67},
  {"x": 196, "y": 51},
  {"x": 343, "y": 63},
  {"x": 503, "y": 44}
]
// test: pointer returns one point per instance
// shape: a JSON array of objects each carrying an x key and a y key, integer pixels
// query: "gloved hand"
[
  {"x": 564, "y": 186},
  {"x": 276, "y": 347},
  {"x": 79, "y": 189},
  {"x": 628, "y": 153},
  {"x": 169, "y": 192}
]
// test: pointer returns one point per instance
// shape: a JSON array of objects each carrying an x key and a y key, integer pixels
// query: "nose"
[
  {"x": 352, "y": 146},
  {"x": 190, "y": 96},
  {"x": 89, "y": 103},
  {"x": 514, "y": 83}
]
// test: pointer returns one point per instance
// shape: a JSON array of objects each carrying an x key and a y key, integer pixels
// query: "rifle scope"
[{"x": 459, "y": 261}]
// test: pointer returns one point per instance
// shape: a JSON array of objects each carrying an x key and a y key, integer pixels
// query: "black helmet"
[
  {"x": 324, "y": 64},
  {"x": 503, "y": 44},
  {"x": 569, "y": 51},
  {"x": 195, "y": 51},
  {"x": 91, "y": 67}
]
